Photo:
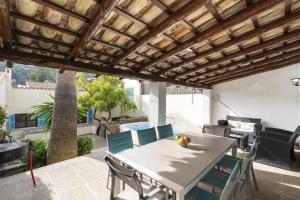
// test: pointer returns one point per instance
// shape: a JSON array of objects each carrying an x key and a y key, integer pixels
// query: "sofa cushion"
[{"x": 235, "y": 124}]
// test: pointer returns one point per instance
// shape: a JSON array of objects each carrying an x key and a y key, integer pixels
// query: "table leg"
[
  {"x": 234, "y": 150},
  {"x": 179, "y": 196}
]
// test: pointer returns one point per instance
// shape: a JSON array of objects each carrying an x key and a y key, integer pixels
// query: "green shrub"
[
  {"x": 85, "y": 145},
  {"x": 39, "y": 154}
]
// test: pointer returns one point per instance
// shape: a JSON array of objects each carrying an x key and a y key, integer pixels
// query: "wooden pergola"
[{"x": 195, "y": 43}]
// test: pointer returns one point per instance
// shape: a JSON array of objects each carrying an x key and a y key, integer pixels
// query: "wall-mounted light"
[{"x": 296, "y": 81}]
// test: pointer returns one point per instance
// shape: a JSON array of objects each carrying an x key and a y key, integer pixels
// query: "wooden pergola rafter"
[{"x": 197, "y": 43}]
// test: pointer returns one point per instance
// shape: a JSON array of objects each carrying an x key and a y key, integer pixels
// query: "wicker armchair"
[{"x": 276, "y": 147}]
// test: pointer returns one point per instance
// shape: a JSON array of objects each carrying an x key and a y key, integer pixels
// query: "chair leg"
[
  {"x": 31, "y": 168},
  {"x": 107, "y": 181},
  {"x": 253, "y": 176}
]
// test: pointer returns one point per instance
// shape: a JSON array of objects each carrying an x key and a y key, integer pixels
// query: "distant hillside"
[{"x": 22, "y": 73}]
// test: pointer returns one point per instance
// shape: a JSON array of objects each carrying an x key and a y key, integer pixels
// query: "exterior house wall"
[
  {"x": 184, "y": 111},
  {"x": 269, "y": 96}
]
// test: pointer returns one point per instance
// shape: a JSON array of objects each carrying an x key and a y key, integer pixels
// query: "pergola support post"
[{"x": 157, "y": 103}]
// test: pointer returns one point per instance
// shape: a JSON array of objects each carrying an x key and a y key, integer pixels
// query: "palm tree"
[{"x": 63, "y": 133}]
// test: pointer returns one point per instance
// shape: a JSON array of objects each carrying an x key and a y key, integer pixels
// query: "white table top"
[{"x": 174, "y": 166}]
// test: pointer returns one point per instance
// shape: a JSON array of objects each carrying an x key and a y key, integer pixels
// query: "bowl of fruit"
[{"x": 183, "y": 140}]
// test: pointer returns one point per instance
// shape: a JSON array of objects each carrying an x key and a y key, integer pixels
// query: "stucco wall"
[
  {"x": 188, "y": 112},
  {"x": 269, "y": 96}
]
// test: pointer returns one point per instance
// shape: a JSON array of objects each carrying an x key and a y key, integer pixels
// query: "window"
[{"x": 24, "y": 120}]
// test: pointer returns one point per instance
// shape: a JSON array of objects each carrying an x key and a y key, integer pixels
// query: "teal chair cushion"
[
  {"x": 197, "y": 193},
  {"x": 165, "y": 131},
  {"x": 146, "y": 136},
  {"x": 216, "y": 178},
  {"x": 119, "y": 142}
]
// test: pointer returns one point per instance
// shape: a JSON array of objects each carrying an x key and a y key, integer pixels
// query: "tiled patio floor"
[{"x": 84, "y": 178}]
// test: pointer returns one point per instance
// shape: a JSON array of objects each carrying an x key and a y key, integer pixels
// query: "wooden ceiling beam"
[
  {"x": 171, "y": 20},
  {"x": 48, "y": 61},
  {"x": 254, "y": 64},
  {"x": 250, "y": 59},
  {"x": 61, "y": 10},
  {"x": 258, "y": 31},
  {"x": 251, "y": 49},
  {"x": 106, "y": 7},
  {"x": 162, "y": 6},
  {"x": 45, "y": 24},
  {"x": 233, "y": 20},
  {"x": 273, "y": 66},
  {"x": 5, "y": 31}
]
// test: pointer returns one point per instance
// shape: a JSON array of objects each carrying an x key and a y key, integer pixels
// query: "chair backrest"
[
  {"x": 165, "y": 131},
  {"x": 125, "y": 174},
  {"x": 222, "y": 131},
  {"x": 252, "y": 153},
  {"x": 231, "y": 183},
  {"x": 147, "y": 136},
  {"x": 119, "y": 142}
]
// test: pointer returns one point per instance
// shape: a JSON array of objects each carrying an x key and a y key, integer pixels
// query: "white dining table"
[{"x": 178, "y": 168}]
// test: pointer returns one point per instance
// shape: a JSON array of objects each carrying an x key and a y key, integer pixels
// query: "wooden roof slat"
[
  {"x": 39, "y": 49},
  {"x": 53, "y": 62},
  {"x": 262, "y": 62},
  {"x": 45, "y": 24},
  {"x": 107, "y": 28},
  {"x": 245, "y": 51},
  {"x": 5, "y": 30},
  {"x": 258, "y": 31},
  {"x": 172, "y": 19},
  {"x": 273, "y": 66},
  {"x": 61, "y": 10},
  {"x": 162, "y": 6},
  {"x": 235, "y": 19},
  {"x": 104, "y": 10},
  {"x": 37, "y": 37},
  {"x": 252, "y": 58}
]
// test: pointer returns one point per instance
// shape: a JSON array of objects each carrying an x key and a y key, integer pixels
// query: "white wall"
[
  {"x": 269, "y": 96},
  {"x": 187, "y": 112}
]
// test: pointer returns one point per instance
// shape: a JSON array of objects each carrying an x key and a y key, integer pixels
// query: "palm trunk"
[{"x": 63, "y": 134}]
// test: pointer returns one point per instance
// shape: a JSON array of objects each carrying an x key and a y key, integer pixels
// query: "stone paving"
[{"x": 84, "y": 178}]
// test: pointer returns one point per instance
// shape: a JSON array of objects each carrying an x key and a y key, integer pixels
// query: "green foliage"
[
  {"x": 104, "y": 93},
  {"x": 39, "y": 154},
  {"x": 42, "y": 75},
  {"x": 126, "y": 103},
  {"x": 46, "y": 110},
  {"x": 2, "y": 116},
  {"x": 3, "y": 133},
  {"x": 85, "y": 145}
]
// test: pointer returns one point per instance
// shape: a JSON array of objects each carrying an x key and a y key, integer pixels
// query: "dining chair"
[
  {"x": 118, "y": 142},
  {"x": 137, "y": 190},
  {"x": 165, "y": 131},
  {"x": 218, "y": 177},
  {"x": 146, "y": 136},
  {"x": 227, "y": 160},
  {"x": 229, "y": 189}
]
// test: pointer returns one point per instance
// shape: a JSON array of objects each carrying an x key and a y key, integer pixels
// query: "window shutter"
[
  {"x": 12, "y": 122},
  {"x": 90, "y": 116},
  {"x": 41, "y": 122}
]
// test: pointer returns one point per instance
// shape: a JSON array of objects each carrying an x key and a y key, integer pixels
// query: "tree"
[
  {"x": 63, "y": 132},
  {"x": 103, "y": 94},
  {"x": 126, "y": 103},
  {"x": 3, "y": 133},
  {"x": 42, "y": 75},
  {"x": 45, "y": 111}
]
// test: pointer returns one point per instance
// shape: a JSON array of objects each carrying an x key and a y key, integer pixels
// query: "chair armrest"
[{"x": 277, "y": 130}]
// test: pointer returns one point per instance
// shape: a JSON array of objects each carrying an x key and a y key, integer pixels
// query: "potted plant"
[{"x": 4, "y": 134}]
